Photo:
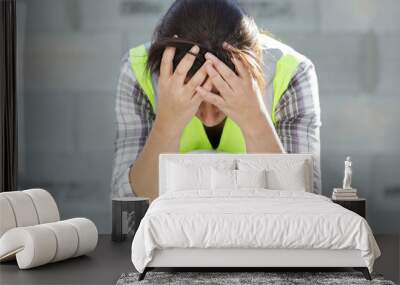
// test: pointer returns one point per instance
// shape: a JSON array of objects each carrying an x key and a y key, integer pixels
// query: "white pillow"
[
  {"x": 282, "y": 174},
  {"x": 229, "y": 179},
  {"x": 251, "y": 178},
  {"x": 182, "y": 177},
  {"x": 223, "y": 179},
  {"x": 292, "y": 179}
]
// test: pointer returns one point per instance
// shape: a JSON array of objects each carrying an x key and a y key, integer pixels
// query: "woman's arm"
[
  {"x": 139, "y": 140},
  {"x": 260, "y": 135},
  {"x": 134, "y": 120},
  {"x": 240, "y": 99},
  {"x": 144, "y": 172},
  {"x": 298, "y": 112},
  {"x": 137, "y": 136},
  {"x": 177, "y": 104},
  {"x": 299, "y": 117}
]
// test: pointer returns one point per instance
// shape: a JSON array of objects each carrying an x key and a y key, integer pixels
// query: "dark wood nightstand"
[{"x": 358, "y": 206}]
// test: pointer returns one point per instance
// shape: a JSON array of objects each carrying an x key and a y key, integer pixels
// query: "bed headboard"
[{"x": 215, "y": 159}]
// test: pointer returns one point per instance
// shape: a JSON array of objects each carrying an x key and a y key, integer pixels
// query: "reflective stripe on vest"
[{"x": 194, "y": 136}]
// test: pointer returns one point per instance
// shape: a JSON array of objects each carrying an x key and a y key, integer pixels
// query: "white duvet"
[{"x": 253, "y": 218}]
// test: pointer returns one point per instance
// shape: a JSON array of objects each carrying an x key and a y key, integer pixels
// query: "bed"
[{"x": 247, "y": 211}]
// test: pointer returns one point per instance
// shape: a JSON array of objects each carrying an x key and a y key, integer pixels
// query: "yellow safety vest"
[{"x": 194, "y": 136}]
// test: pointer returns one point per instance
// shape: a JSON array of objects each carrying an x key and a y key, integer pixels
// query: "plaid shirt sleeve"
[
  {"x": 298, "y": 117},
  {"x": 298, "y": 122},
  {"x": 134, "y": 119}
]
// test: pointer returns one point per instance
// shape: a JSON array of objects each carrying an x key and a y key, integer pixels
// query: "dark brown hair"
[{"x": 208, "y": 23}]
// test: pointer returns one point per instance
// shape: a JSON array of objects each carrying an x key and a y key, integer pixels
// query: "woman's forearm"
[
  {"x": 261, "y": 137},
  {"x": 144, "y": 173}
]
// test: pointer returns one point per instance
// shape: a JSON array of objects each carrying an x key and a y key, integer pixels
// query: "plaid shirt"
[{"x": 298, "y": 122}]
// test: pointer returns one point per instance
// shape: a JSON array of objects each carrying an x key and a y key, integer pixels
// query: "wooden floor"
[{"x": 110, "y": 260}]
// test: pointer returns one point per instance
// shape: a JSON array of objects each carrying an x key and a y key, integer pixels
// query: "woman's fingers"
[
  {"x": 196, "y": 99},
  {"x": 197, "y": 79},
  {"x": 219, "y": 83},
  {"x": 166, "y": 68},
  {"x": 185, "y": 64},
  {"x": 211, "y": 97},
  {"x": 208, "y": 84},
  {"x": 227, "y": 74},
  {"x": 241, "y": 69}
]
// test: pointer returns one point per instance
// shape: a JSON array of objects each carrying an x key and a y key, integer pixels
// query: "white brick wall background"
[{"x": 69, "y": 58}]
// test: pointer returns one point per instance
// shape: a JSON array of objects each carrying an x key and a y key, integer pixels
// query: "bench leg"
[{"x": 364, "y": 271}]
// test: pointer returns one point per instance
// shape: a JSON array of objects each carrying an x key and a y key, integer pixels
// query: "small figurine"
[{"x": 347, "y": 174}]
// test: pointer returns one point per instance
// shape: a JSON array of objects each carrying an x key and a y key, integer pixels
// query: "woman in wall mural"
[{"x": 210, "y": 80}]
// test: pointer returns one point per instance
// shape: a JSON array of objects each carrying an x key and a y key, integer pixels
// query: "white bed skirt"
[{"x": 236, "y": 257}]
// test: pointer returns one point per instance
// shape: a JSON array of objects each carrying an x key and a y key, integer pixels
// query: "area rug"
[{"x": 243, "y": 278}]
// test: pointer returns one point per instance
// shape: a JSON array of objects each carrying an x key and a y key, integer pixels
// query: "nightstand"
[
  {"x": 358, "y": 206},
  {"x": 127, "y": 212}
]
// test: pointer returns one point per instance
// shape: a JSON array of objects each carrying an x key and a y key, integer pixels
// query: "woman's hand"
[
  {"x": 240, "y": 96},
  {"x": 178, "y": 101},
  {"x": 240, "y": 99}
]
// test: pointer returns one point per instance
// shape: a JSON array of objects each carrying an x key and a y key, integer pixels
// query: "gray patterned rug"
[{"x": 275, "y": 278}]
